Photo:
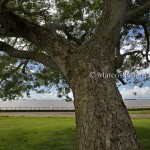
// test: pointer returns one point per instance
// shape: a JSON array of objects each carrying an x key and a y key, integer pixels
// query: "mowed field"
[
  {"x": 37, "y": 133},
  {"x": 52, "y": 133}
]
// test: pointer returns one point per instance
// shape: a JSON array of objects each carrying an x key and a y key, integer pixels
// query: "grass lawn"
[
  {"x": 142, "y": 127},
  {"x": 139, "y": 112},
  {"x": 45, "y": 133},
  {"x": 37, "y": 133}
]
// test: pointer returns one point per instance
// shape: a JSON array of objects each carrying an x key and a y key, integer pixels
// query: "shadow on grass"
[
  {"x": 144, "y": 136},
  {"x": 142, "y": 127}
]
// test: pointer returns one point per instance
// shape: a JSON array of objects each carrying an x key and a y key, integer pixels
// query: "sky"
[
  {"x": 143, "y": 93},
  {"x": 127, "y": 91},
  {"x": 46, "y": 96}
]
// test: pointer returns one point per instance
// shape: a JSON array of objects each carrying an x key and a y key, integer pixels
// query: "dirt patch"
[
  {"x": 140, "y": 115},
  {"x": 57, "y": 114}
]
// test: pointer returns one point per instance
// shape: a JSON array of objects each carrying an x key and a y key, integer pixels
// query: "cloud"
[
  {"x": 45, "y": 96},
  {"x": 71, "y": 95},
  {"x": 143, "y": 92}
]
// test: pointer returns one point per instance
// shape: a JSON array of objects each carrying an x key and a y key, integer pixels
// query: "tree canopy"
[{"x": 26, "y": 65}]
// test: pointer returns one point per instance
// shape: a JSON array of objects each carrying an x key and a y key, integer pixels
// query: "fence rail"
[
  {"x": 138, "y": 107},
  {"x": 60, "y": 108},
  {"x": 36, "y": 108}
]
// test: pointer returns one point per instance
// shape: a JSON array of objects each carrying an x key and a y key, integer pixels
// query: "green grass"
[
  {"x": 142, "y": 127},
  {"x": 37, "y": 133},
  {"x": 139, "y": 112},
  {"x": 45, "y": 133}
]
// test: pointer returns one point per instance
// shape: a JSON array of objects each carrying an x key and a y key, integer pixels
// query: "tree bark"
[{"x": 102, "y": 119}]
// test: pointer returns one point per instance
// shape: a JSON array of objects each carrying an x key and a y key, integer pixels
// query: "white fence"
[{"x": 36, "y": 108}]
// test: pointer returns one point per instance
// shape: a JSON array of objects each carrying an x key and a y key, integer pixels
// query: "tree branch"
[
  {"x": 132, "y": 53},
  {"x": 137, "y": 13},
  {"x": 139, "y": 21},
  {"x": 21, "y": 9},
  {"x": 120, "y": 78},
  {"x": 5, "y": 33},
  {"x": 118, "y": 60},
  {"x": 24, "y": 66},
  {"x": 110, "y": 26},
  {"x": 66, "y": 30},
  {"x": 147, "y": 39},
  {"x": 56, "y": 46},
  {"x": 39, "y": 35},
  {"x": 3, "y": 4},
  {"x": 36, "y": 56}
]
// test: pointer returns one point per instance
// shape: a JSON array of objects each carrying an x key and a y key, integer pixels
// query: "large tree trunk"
[{"x": 102, "y": 119}]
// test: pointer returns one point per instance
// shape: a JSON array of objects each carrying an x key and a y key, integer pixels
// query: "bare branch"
[{"x": 36, "y": 56}]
